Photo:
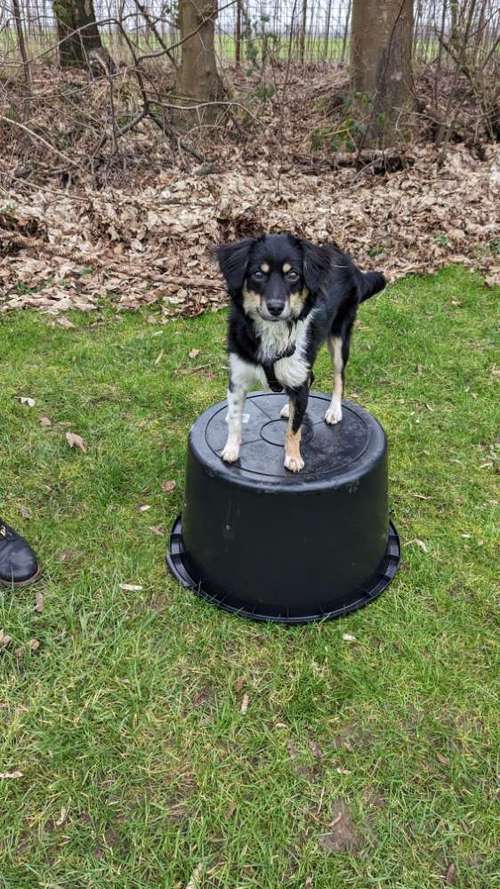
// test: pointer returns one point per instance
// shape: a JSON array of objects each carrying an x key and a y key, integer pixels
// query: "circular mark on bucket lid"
[{"x": 274, "y": 432}]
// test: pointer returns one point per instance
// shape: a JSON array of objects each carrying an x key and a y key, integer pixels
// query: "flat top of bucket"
[{"x": 337, "y": 451}]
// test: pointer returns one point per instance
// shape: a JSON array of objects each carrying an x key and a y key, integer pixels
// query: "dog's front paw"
[
  {"x": 231, "y": 452},
  {"x": 333, "y": 414},
  {"x": 294, "y": 464},
  {"x": 285, "y": 411}
]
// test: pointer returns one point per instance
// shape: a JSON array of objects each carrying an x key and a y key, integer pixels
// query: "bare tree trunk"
[
  {"x": 77, "y": 32},
  {"x": 346, "y": 33},
  {"x": 197, "y": 81},
  {"x": 327, "y": 29},
  {"x": 238, "y": 34},
  {"x": 22, "y": 49},
  {"x": 381, "y": 67},
  {"x": 454, "y": 14},
  {"x": 302, "y": 43}
]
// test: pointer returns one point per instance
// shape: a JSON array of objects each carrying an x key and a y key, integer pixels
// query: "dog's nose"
[{"x": 275, "y": 309}]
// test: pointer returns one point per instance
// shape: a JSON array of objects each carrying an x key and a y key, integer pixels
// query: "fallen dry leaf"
[
  {"x": 45, "y": 422},
  {"x": 159, "y": 530},
  {"x": 419, "y": 543},
  {"x": 315, "y": 749},
  {"x": 15, "y": 774},
  {"x": 450, "y": 875},
  {"x": 343, "y": 835},
  {"x": 25, "y": 512},
  {"x": 348, "y": 637},
  {"x": 5, "y": 640},
  {"x": 40, "y": 602},
  {"x": 62, "y": 817},
  {"x": 244, "y": 703},
  {"x": 168, "y": 487},
  {"x": 195, "y": 879},
  {"x": 64, "y": 322},
  {"x": 194, "y": 353},
  {"x": 231, "y": 809},
  {"x": 131, "y": 587},
  {"x": 34, "y": 644},
  {"x": 76, "y": 441},
  {"x": 68, "y": 555}
]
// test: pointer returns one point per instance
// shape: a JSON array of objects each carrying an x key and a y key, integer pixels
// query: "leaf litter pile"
[{"x": 146, "y": 238}]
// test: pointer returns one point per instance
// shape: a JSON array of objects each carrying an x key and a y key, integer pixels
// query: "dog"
[{"x": 288, "y": 296}]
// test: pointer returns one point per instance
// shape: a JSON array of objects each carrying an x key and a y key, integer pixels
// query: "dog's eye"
[
  {"x": 258, "y": 276},
  {"x": 292, "y": 275}
]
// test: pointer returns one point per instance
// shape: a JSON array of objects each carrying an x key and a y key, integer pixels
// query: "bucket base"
[{"x": 386, "y": 571}]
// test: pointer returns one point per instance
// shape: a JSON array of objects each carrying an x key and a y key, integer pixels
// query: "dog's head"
[{"x": 273, "y": 276}]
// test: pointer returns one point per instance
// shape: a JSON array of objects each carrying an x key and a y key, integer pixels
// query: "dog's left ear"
[
  {"x": 315, "y": 265},
  {"x": 233, "y": 261}
]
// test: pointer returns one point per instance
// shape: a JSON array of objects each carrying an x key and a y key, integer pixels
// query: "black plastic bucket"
[{"x": 276, "y": 546}]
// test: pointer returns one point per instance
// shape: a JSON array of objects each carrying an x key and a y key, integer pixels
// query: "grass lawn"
[{"x": 138, "y": 767}]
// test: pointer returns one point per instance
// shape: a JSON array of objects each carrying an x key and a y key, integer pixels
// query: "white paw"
[
  {"x": 294, "y": 464},
  {"x": 285, "y": 411},
  {"x": 231, "y": 453},
  {"x": 333, "y": 414}
]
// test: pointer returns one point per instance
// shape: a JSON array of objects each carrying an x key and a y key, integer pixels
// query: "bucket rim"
[{"x": 380, "y": 580}]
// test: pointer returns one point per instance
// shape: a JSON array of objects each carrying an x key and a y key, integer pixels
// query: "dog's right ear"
[{"x": 233, "y": 261}]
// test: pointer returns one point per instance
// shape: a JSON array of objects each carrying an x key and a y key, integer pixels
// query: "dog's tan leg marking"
[
  {"x": 285, "y": 411},
  {"x": 334, "y": 412},
  {"x": 293, "y": 459}
]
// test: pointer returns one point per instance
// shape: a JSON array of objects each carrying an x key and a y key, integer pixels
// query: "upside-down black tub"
[{"x": 277, "y": 546}]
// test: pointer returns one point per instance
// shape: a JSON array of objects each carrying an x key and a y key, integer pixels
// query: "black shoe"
[{"x": 18, "y": 563}]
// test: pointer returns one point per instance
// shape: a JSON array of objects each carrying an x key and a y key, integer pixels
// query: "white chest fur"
[{"x": 277, "y": 337}]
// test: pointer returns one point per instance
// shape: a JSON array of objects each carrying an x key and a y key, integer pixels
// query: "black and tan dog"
[{"x": 288, "y": 297}]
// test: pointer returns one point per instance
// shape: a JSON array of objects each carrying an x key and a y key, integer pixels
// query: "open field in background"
[
  {"x": 358, "y": 763},
  {"x": 317, "y": 49}
]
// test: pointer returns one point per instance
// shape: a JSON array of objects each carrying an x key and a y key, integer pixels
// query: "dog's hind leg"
[{"x": 334, "y": 412}]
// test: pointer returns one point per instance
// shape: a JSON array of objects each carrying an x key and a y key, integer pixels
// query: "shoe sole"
[{"x": 11, "y": 584}]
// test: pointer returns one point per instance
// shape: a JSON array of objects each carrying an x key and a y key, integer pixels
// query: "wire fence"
[{"x": 251, "y": 31}]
